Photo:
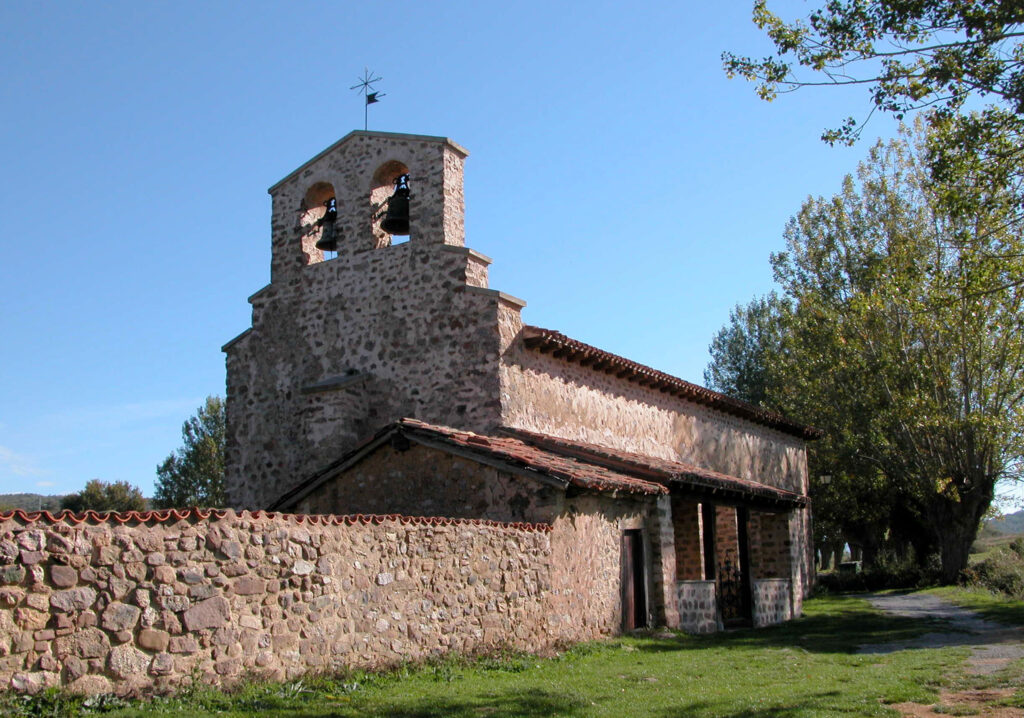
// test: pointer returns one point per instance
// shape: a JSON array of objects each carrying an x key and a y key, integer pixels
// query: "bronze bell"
[
  {"x": 328, "y": 241},
  {"x": 397, "y": 219}
]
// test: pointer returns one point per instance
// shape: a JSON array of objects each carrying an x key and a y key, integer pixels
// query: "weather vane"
[{"x": 365, "y": 86}]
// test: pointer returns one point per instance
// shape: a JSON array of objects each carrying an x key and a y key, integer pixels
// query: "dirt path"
[{"x": 993, "y": 647}]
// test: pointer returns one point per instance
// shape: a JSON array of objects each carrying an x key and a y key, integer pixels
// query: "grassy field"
[{"x": 805, "y": 668}]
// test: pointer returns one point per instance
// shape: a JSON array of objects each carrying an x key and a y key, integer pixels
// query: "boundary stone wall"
[{"x": 125, "y": 602}]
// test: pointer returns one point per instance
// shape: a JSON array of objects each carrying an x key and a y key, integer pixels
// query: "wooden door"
[{"x": 634, "y": 595}]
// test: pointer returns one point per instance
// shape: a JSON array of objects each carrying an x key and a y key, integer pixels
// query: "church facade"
[{"x": 387, "y": 377}]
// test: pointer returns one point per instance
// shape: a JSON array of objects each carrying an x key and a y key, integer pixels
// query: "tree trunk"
[
  {"x": 956, "y": 524},
  {"x": 955, "y": 546}
]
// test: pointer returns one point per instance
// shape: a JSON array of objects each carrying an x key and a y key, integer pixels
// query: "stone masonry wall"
[
  {"x": 427, "y": 481},
  {"x": 772, "y": 602},
  {"x": 590, "y": 535},
  {"x": 543, "y": 393},
  {"x": 686, "y": 518},
  {"x": 698, "y": 607},
  {"x": 399, "y": 329},
  {"x": 138, "y": 602},
  {"x": 770, "y": 550}
]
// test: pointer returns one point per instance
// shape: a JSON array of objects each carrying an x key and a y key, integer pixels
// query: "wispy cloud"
[
  {"x": 45, "y": 484},
  {"x": 19, "y": 464},
  {"x": 120, "y": 416}
]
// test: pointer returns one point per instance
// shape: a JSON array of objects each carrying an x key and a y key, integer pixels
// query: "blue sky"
[{"x": 624, "y": 187}]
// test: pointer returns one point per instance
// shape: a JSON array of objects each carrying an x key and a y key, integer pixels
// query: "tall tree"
[
  {"x": 904, "y": 343},
  {"x": 744, "y": 353},
  {"x": 193, "y": 475},
  {"x": 102, "y": 496}
]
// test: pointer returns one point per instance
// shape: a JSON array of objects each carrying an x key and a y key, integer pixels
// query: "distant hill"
[
  {"x": 1008, "y": 524},
  {"x": 31, "y": 502}
]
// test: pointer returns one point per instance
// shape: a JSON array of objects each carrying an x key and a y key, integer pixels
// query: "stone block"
[
  {"x": 32, "y": 540},
  {"x": 202, "y": 591},
  {"x": 85, "y": 643},
  {"x": 177, "y": 604},
  {"x": 183, "y": 644},
  {"x": 91, "y": 685},
  {"x": 63, "y": 576},
  {"x": 249, "y": 585},
  {"x": 74, "y": 667},
  {"x": 211, "y": 613},
  {"x": 164, "y": 574},
  {"x": 12, "y": 574},
  {"x": 30, "y": 619},
  {"x": 120, "y": 616},
  {"x": 163, "y": 664},
  {"x": 154, "y": 640},
  {"x": 126, "y": 660},
  {"x": 8, "y": 551},
  {"x": 38, "y": 601}
]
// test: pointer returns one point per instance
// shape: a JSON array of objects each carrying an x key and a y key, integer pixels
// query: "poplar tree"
[
  {"x": 193, "y": 475},
  {"x": 905, "y": 343}
]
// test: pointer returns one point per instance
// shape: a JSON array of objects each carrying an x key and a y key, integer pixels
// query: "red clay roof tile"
[
  {"x": 655, "y": 469},
  {"x": 190, "y": 514}
]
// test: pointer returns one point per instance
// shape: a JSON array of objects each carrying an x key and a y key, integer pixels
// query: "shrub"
[
  {"x": 888, "y": 571},
  {"x": 1002, "y": 571}
]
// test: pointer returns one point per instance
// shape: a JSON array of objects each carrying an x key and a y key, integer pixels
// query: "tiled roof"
[
  {"x": 513, "y": 451},
  {"x": 141, "y": 517},
  {"x": 652, "y": 468},
  {"x": 567, "y": 463},
  {"x": 572, "y": 350}
]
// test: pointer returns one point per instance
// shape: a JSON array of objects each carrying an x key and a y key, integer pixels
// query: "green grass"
[
  {"x": 805, "y": 668},
  {"x": 994, "y": 606}
]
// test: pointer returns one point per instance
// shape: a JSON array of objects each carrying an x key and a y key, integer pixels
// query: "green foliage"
[
  {"x": 888, "y": 571},
  {"x": 194, "y": 474},
  {"x": 1001, "y": 571},
  {"x": 901, "y": 338},
  {"x": 909, "y": 55},
  {"x": 102, "y": 496},
  {"x": 745, "y": 352},
  {"x": 31, "y": 502}
]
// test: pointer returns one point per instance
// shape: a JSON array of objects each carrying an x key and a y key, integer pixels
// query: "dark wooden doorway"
[
  {"x": 734, "y": 589},
  {"x": 634, "y": 594}
]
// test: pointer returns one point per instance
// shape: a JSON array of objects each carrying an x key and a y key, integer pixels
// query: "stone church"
[{"x": 382, "y": 375}]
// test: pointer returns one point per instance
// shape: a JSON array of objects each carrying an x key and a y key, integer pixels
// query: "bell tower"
[
  {"x": 359, "y": 172},
  {"x": 361, "y": 324}
]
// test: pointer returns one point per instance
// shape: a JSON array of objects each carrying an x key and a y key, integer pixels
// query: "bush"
[
  {"x": 888, "y": 571},
  {"x": 1002, "y": 571}
]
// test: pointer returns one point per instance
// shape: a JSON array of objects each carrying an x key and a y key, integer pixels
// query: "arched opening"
[
  {"x": 317, "y": 219},
  {"x": 383, "y": 186}
]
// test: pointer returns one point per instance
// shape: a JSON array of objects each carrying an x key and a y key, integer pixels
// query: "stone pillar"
[{"x": 663, "y": 555}]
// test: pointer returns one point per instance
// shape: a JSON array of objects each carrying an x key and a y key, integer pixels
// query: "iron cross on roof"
[{"x": 365, "y": 87}]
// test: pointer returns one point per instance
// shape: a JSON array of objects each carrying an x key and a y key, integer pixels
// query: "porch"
[{"x": 734, "y": 565}]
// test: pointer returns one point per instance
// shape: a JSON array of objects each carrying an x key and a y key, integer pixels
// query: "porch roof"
[
  {"x": 557, "y": 461},
  {"x": 677, "y": 475}
]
